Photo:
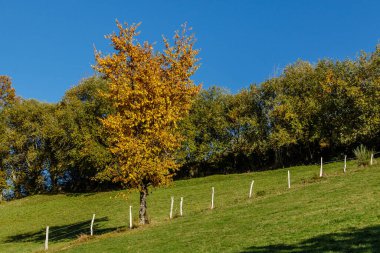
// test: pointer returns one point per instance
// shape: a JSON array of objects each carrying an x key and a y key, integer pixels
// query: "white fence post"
[
  {"x": 130, "y": 217},
  {"x": 321, "y": 170},
  {"x": 345, "y": 164},
  {"x": 212, "y": 198},
  {"x": 47, "y": 238},
  {"x": 288, "y": 179},
  {"x": 92, "y": 225},
  {"x": 371, "y": 159},
  {"x": 180, "y": 206},
  {"x": 251, "y": 188},
  {"x": 171, "y": 208}
]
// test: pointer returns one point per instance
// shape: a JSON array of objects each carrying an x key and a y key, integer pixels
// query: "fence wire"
[{"x": 86, "y": 231}]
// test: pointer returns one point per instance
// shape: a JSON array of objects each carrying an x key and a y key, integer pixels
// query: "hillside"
[{"x": 338, "y": 213}]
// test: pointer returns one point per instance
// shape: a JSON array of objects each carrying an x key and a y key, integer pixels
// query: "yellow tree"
[{"x": 150, "y": 91}]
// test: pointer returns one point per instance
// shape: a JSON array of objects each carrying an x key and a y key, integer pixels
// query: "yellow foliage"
[{"x": 151, "y": 91}]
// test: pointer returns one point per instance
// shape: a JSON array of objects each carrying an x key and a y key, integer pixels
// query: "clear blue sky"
[{"x": 47, "y": 46}]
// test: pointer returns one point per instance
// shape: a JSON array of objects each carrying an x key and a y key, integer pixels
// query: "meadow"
[{"x": 336, "y": 213}]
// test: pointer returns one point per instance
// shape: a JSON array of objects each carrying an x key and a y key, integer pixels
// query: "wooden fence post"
[
  {"x": 251, "y": 188},
  {"x": 180, "y": 206},
  {"x": 47, "y": 238},
  {"x": 345, "y": 164},
  {"x": 130, "y": 217},
  {"x": 92, "y": 225},
  {"x": 288, "y": 179},
  {"x": 321, "y": 170},
  {"x": 371, "y": 162},
  {"x": 212, "y": 198},
  {"x": 171, "y": 208}
]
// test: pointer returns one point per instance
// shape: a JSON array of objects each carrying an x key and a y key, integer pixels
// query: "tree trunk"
[
  {"x": 143, "y": 217},
  {"x": 278, "y": 160}
]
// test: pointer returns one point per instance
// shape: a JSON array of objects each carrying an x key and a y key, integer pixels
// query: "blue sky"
[{"x": 47, "y": 46}]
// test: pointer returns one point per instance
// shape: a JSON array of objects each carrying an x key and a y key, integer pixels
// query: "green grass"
[{"x": 339, "y": 213}]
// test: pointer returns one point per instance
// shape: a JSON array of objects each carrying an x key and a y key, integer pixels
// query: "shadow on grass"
[
  {"x": 62, "y": 233},
  {"x": 79, "y": 194},
  {"x": 352, "y": 240}
]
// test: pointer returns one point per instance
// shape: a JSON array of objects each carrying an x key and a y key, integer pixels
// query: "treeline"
[
  {"x": 55, "y": 147},
  {"x": 310, "y": 110}
]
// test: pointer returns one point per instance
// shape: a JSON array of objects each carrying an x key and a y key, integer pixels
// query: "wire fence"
[
  {"x": 375, "y": 154},
  {"x": 85, "y": 228},
  {"x": 67, "y": 235}
]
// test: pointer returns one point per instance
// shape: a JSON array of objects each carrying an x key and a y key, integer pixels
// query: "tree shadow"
[
  {"x": 352, "y": 240},
  {"x": 62, "y": 233},
  {"x": 79, "y": 194}
]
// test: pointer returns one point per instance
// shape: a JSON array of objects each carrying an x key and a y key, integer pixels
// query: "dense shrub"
[{"x": 363, "y": 155}]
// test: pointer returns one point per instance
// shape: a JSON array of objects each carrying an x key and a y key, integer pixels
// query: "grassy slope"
[{"x": 338, "y": 213}]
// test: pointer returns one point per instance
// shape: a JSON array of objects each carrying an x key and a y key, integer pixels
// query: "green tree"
[
  {"x": 248, "y": 129},
  {"x": 7, "y": 92},
  {"x": 7, "y": 99},
  {"x": 24, "y": 153},
  {"x": 206, "y": 133},
  {"x": 292, "y": 110},
  {"x": 78, "y": 140}
]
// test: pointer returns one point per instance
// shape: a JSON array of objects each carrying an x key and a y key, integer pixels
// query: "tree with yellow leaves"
[{"x": 151, "y": 92}]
